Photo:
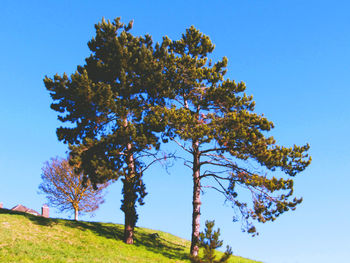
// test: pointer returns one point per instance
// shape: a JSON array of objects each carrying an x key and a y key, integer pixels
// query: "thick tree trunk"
[
  {"x": 76, "y": 213},
  {"x": 129, "y": 199},
  {"x": 128, "y": 233},
  {"x": 196, "y": 200},
  {"x": 128, "y": 206},
  {"x": 129, "y": 221}
]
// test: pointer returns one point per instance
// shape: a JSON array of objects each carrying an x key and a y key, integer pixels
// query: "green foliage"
[
  {"x": 209, "y": 242},
  {"x": 107, "y": 105},
  {"x": 212, "y": 118},
  {"x": 129, "y": 90}
]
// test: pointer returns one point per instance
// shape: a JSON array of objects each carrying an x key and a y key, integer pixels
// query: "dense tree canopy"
[
  {"x": 108, "y": 101},
  {"x": 130, "y": 90},
  {"x": 213, "y": 120}
]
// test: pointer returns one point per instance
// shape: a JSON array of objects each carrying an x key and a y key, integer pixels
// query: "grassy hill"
[{"x": 27, "y": 238}]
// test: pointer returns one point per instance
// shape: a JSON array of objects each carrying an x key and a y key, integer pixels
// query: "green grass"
[{"x": 27, "y": 238}]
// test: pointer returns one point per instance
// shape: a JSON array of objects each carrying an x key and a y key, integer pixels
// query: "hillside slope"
[{"x": 27, "y": 238}]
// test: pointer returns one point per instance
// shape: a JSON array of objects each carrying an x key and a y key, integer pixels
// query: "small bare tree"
[{"x": 65, "y": 189}]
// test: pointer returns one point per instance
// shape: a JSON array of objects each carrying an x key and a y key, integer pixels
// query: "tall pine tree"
[
  {"x": 108, "y": 102},
  {"x": 213, "y": 120}
]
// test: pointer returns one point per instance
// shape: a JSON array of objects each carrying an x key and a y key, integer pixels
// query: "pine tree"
[
  {"x": 213, "y": 120},
  {"x": 209, "y": 241},
  {"x": 108, "y": 102}
]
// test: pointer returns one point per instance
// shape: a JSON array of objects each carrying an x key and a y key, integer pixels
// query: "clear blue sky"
[{"x": 294, "y": 56}]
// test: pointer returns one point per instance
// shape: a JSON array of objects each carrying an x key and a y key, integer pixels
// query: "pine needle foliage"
[
  {"x": 212, "y": 119},
  {"x": 209, "y": 242},
  {"x": 107, "y": 105}
]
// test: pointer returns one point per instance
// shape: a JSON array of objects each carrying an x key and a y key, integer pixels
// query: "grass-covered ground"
[{"x": 27, "y": 238}]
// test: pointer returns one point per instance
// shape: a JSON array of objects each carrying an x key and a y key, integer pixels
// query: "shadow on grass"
[
  {"x": 39, "y": 220},
  {"x": 160, "y": 245},
  {"x": 111, "y": 231}
]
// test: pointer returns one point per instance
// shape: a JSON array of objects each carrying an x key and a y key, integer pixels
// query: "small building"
[{"x": 22, "y": 208}]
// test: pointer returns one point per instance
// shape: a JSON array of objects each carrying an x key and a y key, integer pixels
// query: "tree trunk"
[
  {"x": 128, "y": 206},
  {"x": 76, "y": 213},
  {"x": 129, "y": 211},
  {"x": 196, "y": 200},
  {"x": 129, "y": 229},
  {"x": 129, "y": 198}
]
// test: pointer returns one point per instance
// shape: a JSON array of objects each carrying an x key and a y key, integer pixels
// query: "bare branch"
[
  {"x": 214, "y": 150},
  {"x": 64, "y": 189},
  {"x": 182, "y": 146},
  {"x": 214, "y": 175}
]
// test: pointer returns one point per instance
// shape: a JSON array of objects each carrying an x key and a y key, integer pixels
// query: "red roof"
[{"x": 22, "y": 208}]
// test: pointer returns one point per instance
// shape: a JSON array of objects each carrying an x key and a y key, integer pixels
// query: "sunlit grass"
[{"x": 27, "y": 238}]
